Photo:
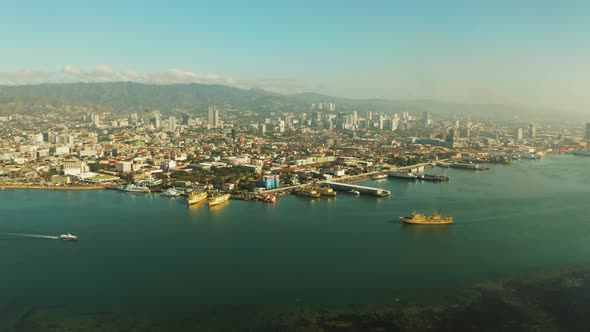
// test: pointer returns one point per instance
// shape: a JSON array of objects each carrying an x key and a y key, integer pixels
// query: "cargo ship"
[
  {"x": 218, "y": 199},
  {"x": 433, "y": 178},
  {"x": 307, "y": 192},
  {"x": 326, "y": 191},
  {"x": 476, "y": 167},
  {"x": 420, "y": 219},
  {"x": 409, "y": 176},
  {"x": 194, "y": 197}
]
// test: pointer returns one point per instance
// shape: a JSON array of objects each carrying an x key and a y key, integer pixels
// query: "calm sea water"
[{"x": 149, "y": 253}]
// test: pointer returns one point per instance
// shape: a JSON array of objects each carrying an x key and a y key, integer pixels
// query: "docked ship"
[
  {"x": 409, "y": 175},
  {"x": 68, "y": 237},
  {"x": 170, "y": 192},
  {"x": 135, "y": 189},
  {"x": 326, "y": 191},
  {"x": 582, "y": 153},
  {"x": 195, "y": 197},
  {"x": 532, "y": 156},
  {"x": 433, "y": 178},
  {"x": 218, "y": 199},
  {"x": 420, "y": 219},
  {"x": 379, "y": 176},
  {"x": 307, "y": 192},
  {"x": 476, "y": 167}
]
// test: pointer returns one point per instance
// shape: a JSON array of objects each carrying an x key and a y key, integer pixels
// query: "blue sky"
[{"x": 528, "y": 52}]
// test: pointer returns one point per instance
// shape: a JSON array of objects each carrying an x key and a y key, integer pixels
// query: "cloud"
[{"x": 104, "y": 73}]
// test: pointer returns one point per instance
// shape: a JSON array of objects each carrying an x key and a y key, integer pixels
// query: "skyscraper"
[
  {"x": 172, "y": 123},
  {"x": 426, "y": 119},
  {"x": 518, "y": 133},
  {"x": 588, "y": 131},
  {"x": 212, "y": 117},
  {"x": 532, "y": 131}
]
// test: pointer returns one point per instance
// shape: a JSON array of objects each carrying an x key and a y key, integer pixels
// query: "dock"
[{"x": 379, "y": 192}]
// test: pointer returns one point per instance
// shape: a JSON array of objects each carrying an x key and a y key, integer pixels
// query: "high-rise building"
[
  {"x": 588, "y": 131},
  {"x": 453, "y": 137},
  {"x": 532, "y": 131},
  {"x": 212, "y": 117},
  {"x": 186, "y": 119},
  {"x": 172, "y": 123},
  {"x": 426, "y": 119},
  {"x": 518, "y": 133}
]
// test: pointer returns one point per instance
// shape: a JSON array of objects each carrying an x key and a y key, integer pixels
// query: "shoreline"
[{"x": 37, "y": 187}]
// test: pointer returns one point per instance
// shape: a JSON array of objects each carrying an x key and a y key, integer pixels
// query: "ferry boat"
[
  {"x": 68, "y": 237},
  {"x": 379, "y": 176},
  {"x": 135, "y": 189},
  {"x": 218, "y": 199},
  {"x": 171, "y": 192},
  {"x": 326, "y": 191},
  {"x": 194, "y": 197},
  {"x": 307, "y": 192},
  {"x": 420, "y": 219},
  {"x": 409, "y": 175}
]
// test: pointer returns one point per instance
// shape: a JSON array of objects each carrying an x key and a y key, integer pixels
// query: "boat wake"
[{"x": 33, "y": 235}]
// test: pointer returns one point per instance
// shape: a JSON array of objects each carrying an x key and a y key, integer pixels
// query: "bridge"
[{"x": 380, "y": 192}]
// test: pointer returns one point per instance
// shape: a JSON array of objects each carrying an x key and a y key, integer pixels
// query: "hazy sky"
[{"x": 530, "y": 52}]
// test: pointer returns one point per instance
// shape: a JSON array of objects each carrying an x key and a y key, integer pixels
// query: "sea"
[{"x": 149, "y": 263}]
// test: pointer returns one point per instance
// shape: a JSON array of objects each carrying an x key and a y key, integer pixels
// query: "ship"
[
  {"x": 218, "y": 199},
  {"x": 409, "y": 175},
  {"x": 476, "y": 167},
  {"x": 582, "y": 153},
  {"x": 171, "y": 192},
  {"x": 135, "y": 189},
  {"x": 68, "y": 237},
  {"x": 194, "y": 197},
  {"x": 307, "y": 192},
  {"x": 420, "y": 219},
  {"x": 326, "y": 191},
  {"x": 532, "y": 156},
  {"x": 433, "y": 178},
  {"x": 379, "y": 176}
]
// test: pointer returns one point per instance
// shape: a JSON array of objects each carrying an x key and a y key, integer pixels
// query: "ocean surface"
[{"x": 150, "y": 256}]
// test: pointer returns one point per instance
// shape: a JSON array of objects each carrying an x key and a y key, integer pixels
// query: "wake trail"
[{"x": 33, "y": 235}]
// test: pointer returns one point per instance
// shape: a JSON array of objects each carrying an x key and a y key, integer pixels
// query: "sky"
[{"x": 529, "y": 52}]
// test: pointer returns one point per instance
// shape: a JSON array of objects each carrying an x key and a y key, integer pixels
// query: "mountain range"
[{"x": 124, "y": 97}]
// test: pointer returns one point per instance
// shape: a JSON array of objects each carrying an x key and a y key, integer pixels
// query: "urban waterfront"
[{"x": 232, "y": 264}]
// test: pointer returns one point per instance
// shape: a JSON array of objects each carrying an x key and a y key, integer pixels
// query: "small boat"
[
  {"x": 170, "y": 192},
  {"x": 68, "y": 237},
  {"x": 355, "y": 192},
  {"x": 379, "y": 176}
]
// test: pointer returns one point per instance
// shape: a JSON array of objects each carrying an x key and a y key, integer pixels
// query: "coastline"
[{"x": 38, "y": 187}]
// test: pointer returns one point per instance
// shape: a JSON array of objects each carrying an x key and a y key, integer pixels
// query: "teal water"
[{"x": 147, "y": 253}]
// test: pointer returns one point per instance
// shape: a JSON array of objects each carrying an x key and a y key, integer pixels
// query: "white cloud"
[{"x": 104, "y": 73}]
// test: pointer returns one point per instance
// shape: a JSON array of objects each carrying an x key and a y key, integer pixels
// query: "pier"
[{"x": 379, "y": 192}]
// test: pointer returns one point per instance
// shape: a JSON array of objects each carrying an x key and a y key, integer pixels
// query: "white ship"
[
  {"x": 171, "y": 192},
  {"x": 135, "y": 189},
  {"x": 68, "y": 237}
]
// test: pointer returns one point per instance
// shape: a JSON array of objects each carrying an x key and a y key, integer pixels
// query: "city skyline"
[{"x": 456, "y": 51}]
